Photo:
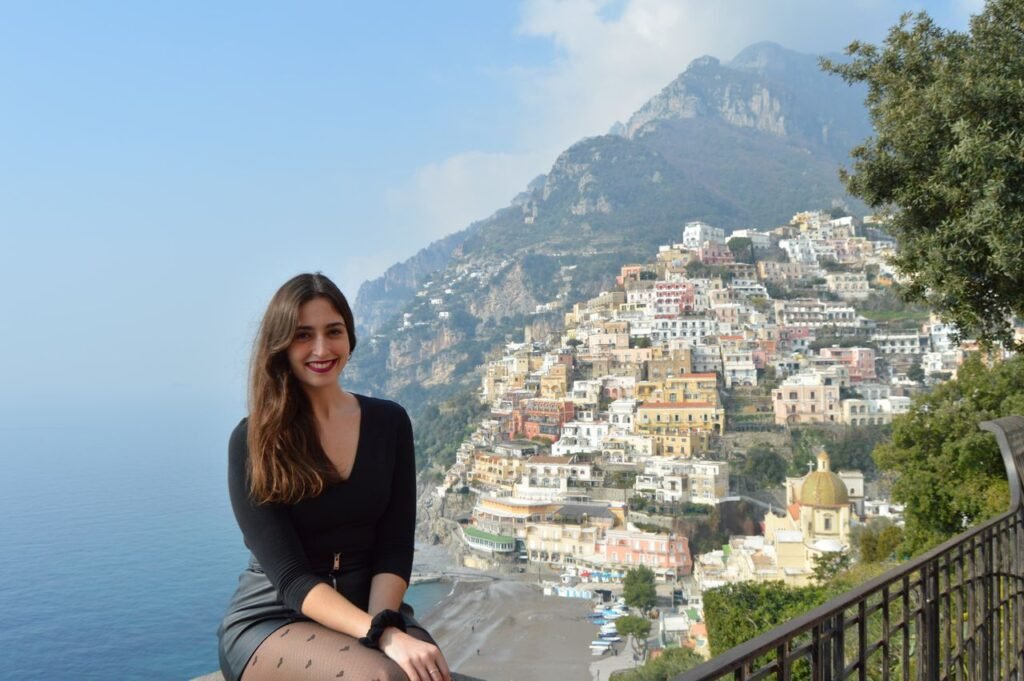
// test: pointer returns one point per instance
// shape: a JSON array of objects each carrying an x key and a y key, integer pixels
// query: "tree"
[
  {"x": 638, "y": 588},
  {"x": 742, "y": 249},
  {"x": 764, "y": 466},
  {"x": 946, "y": 471},
  {"x": 828, "y": 566},
  {"x": 877, "y": 541},
  {"x": 671, "y": 663},
  {"x": 916, "y": 371},
  {"x": 637, "y": 627},
  {"x": 738, "y": 612},
  {"x": 947, "y": 161}
]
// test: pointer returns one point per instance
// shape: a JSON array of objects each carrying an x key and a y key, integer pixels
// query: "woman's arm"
[
  {"x": 392, "y": 562},
  {"x": 386, "y": 592},
  {"x": 268, "y": 530},
  {"x": 416, "y": 658},
  {"x": 395, "y": 532},
  {"x": 269, "y": 534}
]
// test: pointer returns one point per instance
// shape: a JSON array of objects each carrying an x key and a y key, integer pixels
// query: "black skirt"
[{"x": 256, "y": 611}]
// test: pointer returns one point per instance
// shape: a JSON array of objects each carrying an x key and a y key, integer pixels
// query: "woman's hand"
[{"x": 421, "y": 661}]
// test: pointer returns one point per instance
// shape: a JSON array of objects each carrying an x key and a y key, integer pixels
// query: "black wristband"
[{"x": 381, "y": 621}]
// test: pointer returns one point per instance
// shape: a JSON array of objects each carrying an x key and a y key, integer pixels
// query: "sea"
[{"x": 118, "y": 548}]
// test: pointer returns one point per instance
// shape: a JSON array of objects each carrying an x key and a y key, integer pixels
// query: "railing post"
[
  {"x": 929, "y": 659},
  {"x": 954, "y": 613},
  {"x": 838, "y": 646}
]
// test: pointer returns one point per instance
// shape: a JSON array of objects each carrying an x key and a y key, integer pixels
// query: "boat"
[{"x": 611, "y": 638}]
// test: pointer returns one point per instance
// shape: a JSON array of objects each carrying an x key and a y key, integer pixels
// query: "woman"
[{"x": 322, "y": 484}]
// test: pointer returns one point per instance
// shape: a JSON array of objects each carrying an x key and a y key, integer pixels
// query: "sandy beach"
[{"x": 521, "y": 634}]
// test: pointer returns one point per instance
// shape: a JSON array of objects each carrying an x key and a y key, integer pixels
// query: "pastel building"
[
  {"x": 848, "y": 285},
  {"x": 807, "y": 398},
  {"x": 667, "y": 555},
  {"x": 496, "y": 471},
  {"x": 859, "y": 362},
  {"x": 816, "y": 522}
]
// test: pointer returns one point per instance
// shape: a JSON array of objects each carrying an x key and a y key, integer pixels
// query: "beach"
[{"x": 521, "y": 634}]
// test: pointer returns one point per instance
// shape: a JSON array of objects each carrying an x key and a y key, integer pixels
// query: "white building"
[
  {"x": 848, "y": 285},
  {"x": 800, "y": 250},
  {"x": 697, "y": 232}
]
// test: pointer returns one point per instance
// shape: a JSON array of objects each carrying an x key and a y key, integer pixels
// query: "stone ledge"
[{"x": 216, "y": 676}]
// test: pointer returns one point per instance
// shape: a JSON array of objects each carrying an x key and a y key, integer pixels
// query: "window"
[{"x": 828, "y": 524}]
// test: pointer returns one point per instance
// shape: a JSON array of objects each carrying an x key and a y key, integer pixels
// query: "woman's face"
[{"x": 320, "y": 347}]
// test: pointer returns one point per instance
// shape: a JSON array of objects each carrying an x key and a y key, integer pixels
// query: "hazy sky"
[{"x": 165, "y": 166}]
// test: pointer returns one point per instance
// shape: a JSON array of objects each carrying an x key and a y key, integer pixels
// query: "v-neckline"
[{"x": 359, "y": 443}]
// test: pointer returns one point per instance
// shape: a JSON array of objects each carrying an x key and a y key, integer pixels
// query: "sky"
[{"x": 165, "y": 166}]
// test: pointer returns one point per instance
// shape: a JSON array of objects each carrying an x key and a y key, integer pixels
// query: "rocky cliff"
[{"x": 742, "y": 144}]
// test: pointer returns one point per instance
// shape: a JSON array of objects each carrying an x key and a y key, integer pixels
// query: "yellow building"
[
  {"x": 497, "y": 470},
  {"x": 554, "y": 384},
  {"x": 654, "y": 417},
  {"x": 648, "y": 390},
  {"x": 511, "y": 515},
  {"x": 665, "y": 363},
  {"x": 560, "y": 543},
  {"x": 679, "y": 428},
  {"x": 692, "y": 388},
  {"x": 817, "y": 521}
]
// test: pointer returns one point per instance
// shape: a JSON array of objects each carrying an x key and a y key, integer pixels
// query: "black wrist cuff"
[{"x": 381, "y": 621}]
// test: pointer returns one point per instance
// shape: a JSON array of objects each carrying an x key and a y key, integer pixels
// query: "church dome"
[{"x": 823, "y": 487}]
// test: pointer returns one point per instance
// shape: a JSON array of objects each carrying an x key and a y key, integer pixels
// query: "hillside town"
[{"x": 597, "y": 436}]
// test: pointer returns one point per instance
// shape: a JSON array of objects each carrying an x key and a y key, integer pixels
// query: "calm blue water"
[{"x": 118, "y": 550}]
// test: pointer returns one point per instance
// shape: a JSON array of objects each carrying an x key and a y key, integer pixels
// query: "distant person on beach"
[{"x": 322, "y": 483}]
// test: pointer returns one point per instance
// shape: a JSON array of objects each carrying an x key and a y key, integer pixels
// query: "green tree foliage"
[
  {"x": 738, "y": 612},
  {"x": 828, "y": 566},
  {"x": 916, "y": 371},
  {"x": 742, "y": 249},
  {"x": 726, "y": 519},
  {"x": 947, "y": 160},
  {"x": 620, "y": 479},
  {"x": 851, "y": 448},
  {"x": 946, "y": 471},
  {"x": 439, "y": 430},
  {"x": 764, "y": 466},
  {"x": 671, "y": 663},
  {"x": 638, "y": 588},
  {"x": 877, "y": 541},
  {"x": 848, "y": 448},
  {"x": 637, "y": 627}
]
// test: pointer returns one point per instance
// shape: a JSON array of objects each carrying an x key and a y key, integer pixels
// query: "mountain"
[{"x": 743, "y": 144}]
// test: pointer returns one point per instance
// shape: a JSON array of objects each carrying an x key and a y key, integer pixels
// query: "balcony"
[{"x": 956, "y": 612}]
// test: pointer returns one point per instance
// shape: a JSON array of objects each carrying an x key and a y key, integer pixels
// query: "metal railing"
[{"x": 956, "y": 612}]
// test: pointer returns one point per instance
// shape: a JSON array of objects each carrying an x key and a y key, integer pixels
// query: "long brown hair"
[{"x": 286, "y": 461}]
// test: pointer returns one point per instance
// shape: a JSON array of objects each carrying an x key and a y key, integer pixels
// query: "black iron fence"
[{"x": 956, "y": 612}]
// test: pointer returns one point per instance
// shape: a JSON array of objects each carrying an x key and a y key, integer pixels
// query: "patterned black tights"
[{"x": 307, "y": 651}]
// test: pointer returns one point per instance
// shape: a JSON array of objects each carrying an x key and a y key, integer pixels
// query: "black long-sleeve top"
[{"x": 368, "y": 519}]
